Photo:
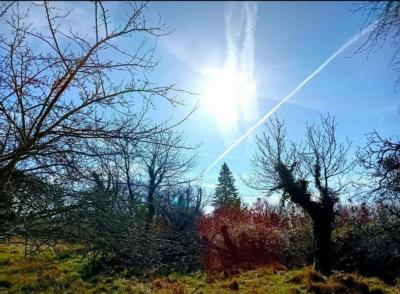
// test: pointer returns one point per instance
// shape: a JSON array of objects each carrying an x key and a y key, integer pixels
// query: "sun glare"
[{"x": 225, "y": 91}]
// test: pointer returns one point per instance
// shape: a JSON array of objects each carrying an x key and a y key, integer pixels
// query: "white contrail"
[{"x": 350, "y": 42}]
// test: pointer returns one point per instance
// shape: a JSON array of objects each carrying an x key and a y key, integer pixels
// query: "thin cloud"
[
  {"x": 346, "y": 45},
  {"x": 248, "y": 105},
  {"x": 240, "y": 26}
]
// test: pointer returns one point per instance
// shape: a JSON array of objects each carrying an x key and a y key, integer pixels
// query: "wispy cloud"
[
  {"x": 345, "y": 46},
  {"x": 249, "y": 104},
  {"x": 240, "y": 26}
]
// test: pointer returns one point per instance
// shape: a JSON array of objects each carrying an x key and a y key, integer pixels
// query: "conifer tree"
[{"x": 226, "y": 193}]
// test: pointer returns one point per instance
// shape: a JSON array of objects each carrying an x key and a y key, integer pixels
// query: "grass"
[{"x": 65, "y": 273}]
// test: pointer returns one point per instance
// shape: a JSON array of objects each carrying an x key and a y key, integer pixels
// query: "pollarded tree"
[
  {"x": 310, "y": 175},
  {"x": 226, "y": 193}
]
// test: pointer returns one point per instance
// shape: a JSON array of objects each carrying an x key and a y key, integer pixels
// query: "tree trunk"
[
  {"x": 230, "y": 246},
  {"x": 3, "y": 214},
  {"x": 322, "y": 216},
  {"x": 322, "y": 229},
  {"x": 321, "y": 213},
  {"x": 150, "y": 207},
  {"x": 5, "y": 203}
]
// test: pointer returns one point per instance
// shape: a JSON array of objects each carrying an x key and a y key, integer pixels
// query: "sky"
[
  {"x": 240, "y": 59},
  {"x": 244, "y": 58}
]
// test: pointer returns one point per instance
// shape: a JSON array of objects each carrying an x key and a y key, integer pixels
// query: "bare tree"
[
  {"x": 381, "y": 159},
  {"x": 310, "y": 175},
  {"x": 116, "y": 228},
  {"x": 181, "y": 205},
  {"x": 384, "y": 16},
  {"x": 180, "y": 209},
  {"x": 61, "y": 89},
  {"x": 165, "y": 165},
  {"x": 5, "y": 6}
]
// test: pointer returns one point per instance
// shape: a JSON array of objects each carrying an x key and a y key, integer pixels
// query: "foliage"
[
  {"x": 117, "y": 240},
  {"x": 246, "y": 238},
  {"x": 80, "y": 164},
  {"x": 263, "y": 234},
  {"x": 226, "y": 193},
  {"x": 361, "y": 244}
]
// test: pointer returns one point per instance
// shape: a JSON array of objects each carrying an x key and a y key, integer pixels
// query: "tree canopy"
[{"x": 226, "y": 194}]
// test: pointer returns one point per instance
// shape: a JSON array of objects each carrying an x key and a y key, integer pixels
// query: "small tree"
[
  {"x": 310, "y": 175},
  {"x": 381, "y": 160},
  {"x": 165, "y": 166},
  {"x": 226, "y": 193}
]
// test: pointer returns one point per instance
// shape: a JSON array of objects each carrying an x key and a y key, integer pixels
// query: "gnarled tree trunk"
[
  {"x": 322, "y": 229},
  {"x": 321, "y": 213}
]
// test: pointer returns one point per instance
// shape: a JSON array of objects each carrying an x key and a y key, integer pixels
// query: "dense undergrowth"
[
  {"x": 65, "y": 270},
  {"x": 255, "y": 236}
]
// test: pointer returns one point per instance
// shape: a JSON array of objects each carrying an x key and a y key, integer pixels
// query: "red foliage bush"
[
  {"x": 244, "y": 238},
  {"x": 348, "y": 215},
  {"x": 234, "y": 238}
]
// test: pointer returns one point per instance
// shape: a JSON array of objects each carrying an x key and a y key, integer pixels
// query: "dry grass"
[{"x": 64, "y": 273}]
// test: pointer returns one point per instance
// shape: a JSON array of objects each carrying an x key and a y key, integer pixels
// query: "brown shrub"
[{"x": 245, "y": 238}]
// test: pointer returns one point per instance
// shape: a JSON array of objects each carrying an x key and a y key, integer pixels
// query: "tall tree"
[
  {"x": 226, "y": 193},
  {"x": 63, "y": 88},
  {"x": 312, "y": 176}
]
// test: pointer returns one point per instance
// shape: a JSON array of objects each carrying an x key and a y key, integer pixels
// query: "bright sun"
[{"x": 225, "y": 93}]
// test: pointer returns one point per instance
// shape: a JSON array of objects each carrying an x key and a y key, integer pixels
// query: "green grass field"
[{"x": 65, "y": 272}]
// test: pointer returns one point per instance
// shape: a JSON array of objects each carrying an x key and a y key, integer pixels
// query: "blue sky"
[
  {"x": 243, "y": 58},
  {"x": 289, "y": 40}
]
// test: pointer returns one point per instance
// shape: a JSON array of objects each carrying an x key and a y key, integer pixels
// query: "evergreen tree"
[{"x": 226, "y": 193}]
